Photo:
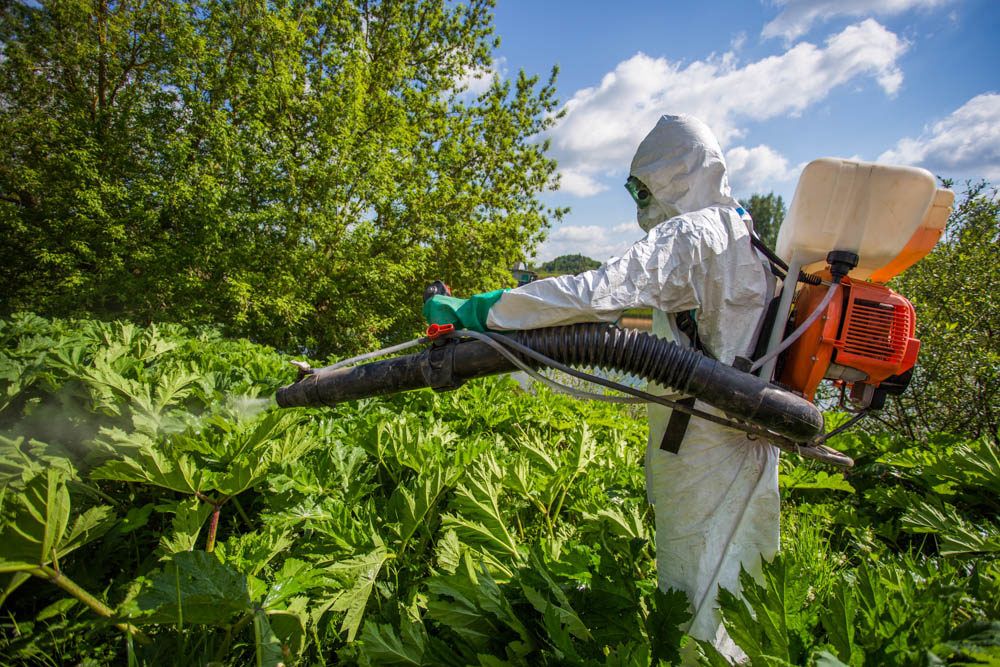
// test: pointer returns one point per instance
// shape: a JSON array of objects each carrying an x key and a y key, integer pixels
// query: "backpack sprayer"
[{"x": 851, "y": 227}]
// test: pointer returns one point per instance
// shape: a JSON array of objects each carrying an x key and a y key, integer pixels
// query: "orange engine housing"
[{"x": 864, "y": 337}]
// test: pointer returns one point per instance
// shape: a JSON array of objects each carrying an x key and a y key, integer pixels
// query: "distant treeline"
[{"x": 568, "y": 264}]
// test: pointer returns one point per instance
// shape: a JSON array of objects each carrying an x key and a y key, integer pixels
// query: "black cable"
[
  {"x": 778, "y": 265},
  {"x": 771, "y": 256}
]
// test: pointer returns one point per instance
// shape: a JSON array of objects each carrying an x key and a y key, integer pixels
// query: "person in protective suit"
[{"x": 715, "y": 492}]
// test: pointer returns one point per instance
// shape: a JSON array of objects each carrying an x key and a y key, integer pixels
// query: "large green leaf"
[
  {"x": 192, "y": 587},
  {"x": 33, "y": 531},
  {"x": 189, "y": 517},
  {"x": 668, "y": 614},
  {"x": 359, "y": 575},
  {"x": 838, "y": 619},
  {"x": 383, "y": 646},
  {"x": 413, "y": 509},
  {"x": 551, "y": 600},
  {"x": 471, "y": 604},
  {"x": 149, "y": 465},
  {"x": 292, "y": 579},
  {"x": 480, "y": 519},
  {"x": 957, "y": 536},
  {"x": 266, "y": 644},
  {"x": 766, "y": 621},
  {"x": 289, "y": 624}
]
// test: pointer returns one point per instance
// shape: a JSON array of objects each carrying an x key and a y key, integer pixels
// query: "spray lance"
[{"x": 851, "y": 227}]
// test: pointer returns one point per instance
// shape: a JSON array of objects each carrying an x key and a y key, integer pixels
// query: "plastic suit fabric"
[{"x": 716, "y": 500}]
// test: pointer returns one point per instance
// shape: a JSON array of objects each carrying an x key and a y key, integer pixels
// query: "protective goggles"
[{"x": 640, "y": 193}]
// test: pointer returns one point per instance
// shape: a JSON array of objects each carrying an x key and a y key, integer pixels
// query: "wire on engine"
[{"x": 799, "y": 331}]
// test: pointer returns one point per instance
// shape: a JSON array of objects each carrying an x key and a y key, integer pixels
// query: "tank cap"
[{"x": 841, "y": 262}]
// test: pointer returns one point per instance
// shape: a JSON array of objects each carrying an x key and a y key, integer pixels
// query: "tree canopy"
[
  {"x": 295, "y": 171},
  {"x": 768, "y": 212},
  {"x": 956, "y": 384}
]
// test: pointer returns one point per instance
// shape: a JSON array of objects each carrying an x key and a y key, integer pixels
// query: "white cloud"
[
  {"x": 738, "y": 41},
  {"x": 579, "y": 183},
  {"x": 964, "y": 144},
  {"x": 594, "y": 241},
  {"x": 798, "y": 16},
  {"x": 605, "y": 123},
  {"x": 757, "y": 169}
]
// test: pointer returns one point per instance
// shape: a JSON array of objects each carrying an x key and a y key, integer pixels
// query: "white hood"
[{"x": 681, "y": 163}]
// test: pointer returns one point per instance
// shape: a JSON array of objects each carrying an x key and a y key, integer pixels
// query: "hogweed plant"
[{"x": 156, "y": 510}]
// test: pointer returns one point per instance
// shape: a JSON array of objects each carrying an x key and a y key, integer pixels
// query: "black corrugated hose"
[{"x": 449, "y": 363}]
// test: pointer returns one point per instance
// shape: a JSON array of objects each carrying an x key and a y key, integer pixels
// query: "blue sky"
[{"x": 781, "y": 82}]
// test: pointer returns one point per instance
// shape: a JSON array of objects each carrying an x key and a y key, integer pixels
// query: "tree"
[
  {"x": 956, "y": 292},
  {"x": 569, "y": 264},
  {"x": 768, "y": 212},
  {"x": 294, "y": 170}
]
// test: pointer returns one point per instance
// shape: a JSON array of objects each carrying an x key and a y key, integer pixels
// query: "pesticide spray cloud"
[{"x": 246, "y": 408}]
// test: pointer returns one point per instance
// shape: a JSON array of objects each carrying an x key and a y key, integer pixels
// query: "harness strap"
[
  {"x": 678, "y": 423},
  {"x": 676, "y": 427}
]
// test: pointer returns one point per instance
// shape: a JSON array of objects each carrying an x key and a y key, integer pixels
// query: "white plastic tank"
[{"x": 861, "y": 207}]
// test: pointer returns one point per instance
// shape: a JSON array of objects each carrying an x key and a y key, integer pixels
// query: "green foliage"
[
  {"x": 568, "y": 264},
  {"x": 193, "y": 587},
  {"x": 288, "y": 170},
  {"x": 481, "y": 526},
  {"x": 36, "y": 528},
  {"x": 768, "y": 212},
  {"x": 956, "y": 385}
]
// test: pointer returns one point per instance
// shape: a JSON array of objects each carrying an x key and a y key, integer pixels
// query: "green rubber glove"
[{"x": 468, "y": 313}]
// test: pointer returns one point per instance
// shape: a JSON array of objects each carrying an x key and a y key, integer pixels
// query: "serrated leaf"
[
  {"x": 383, "y": 646},
  {"x": 471, "y": 604},
  {"x": 252, "y": 552},
  {"x": 192, "y": 587},
  {"x": 760, "y": 622},
  {"x": 449, "y": 552},
  {"x": 625, "y": 522},
  {"x": 410, "y": 509},
  {"x": 839, "y": 622},
  {"x": 189, "y": 517},
  {"x": 558, "y": 636},
  {"x": 294, "y": 577},
  {"x": 35, "y": 527},
  {"x": 150, "y": 466},
  {"x": 957, "y": 537},
  {"x": 669, "y": 613},
  {"x": 802, "y": 478},
  {"x": 555, "y": 597},
  {"x": 360, "y": 573},
  {"x": 171, "y": 387},
  {"x": 480, "y": 520}
]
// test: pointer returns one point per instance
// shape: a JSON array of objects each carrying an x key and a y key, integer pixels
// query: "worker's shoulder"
[{"x": 702, "y": 224}]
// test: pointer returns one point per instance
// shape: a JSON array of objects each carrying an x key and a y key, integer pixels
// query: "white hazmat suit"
[{"x": 716, "y": 500}]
